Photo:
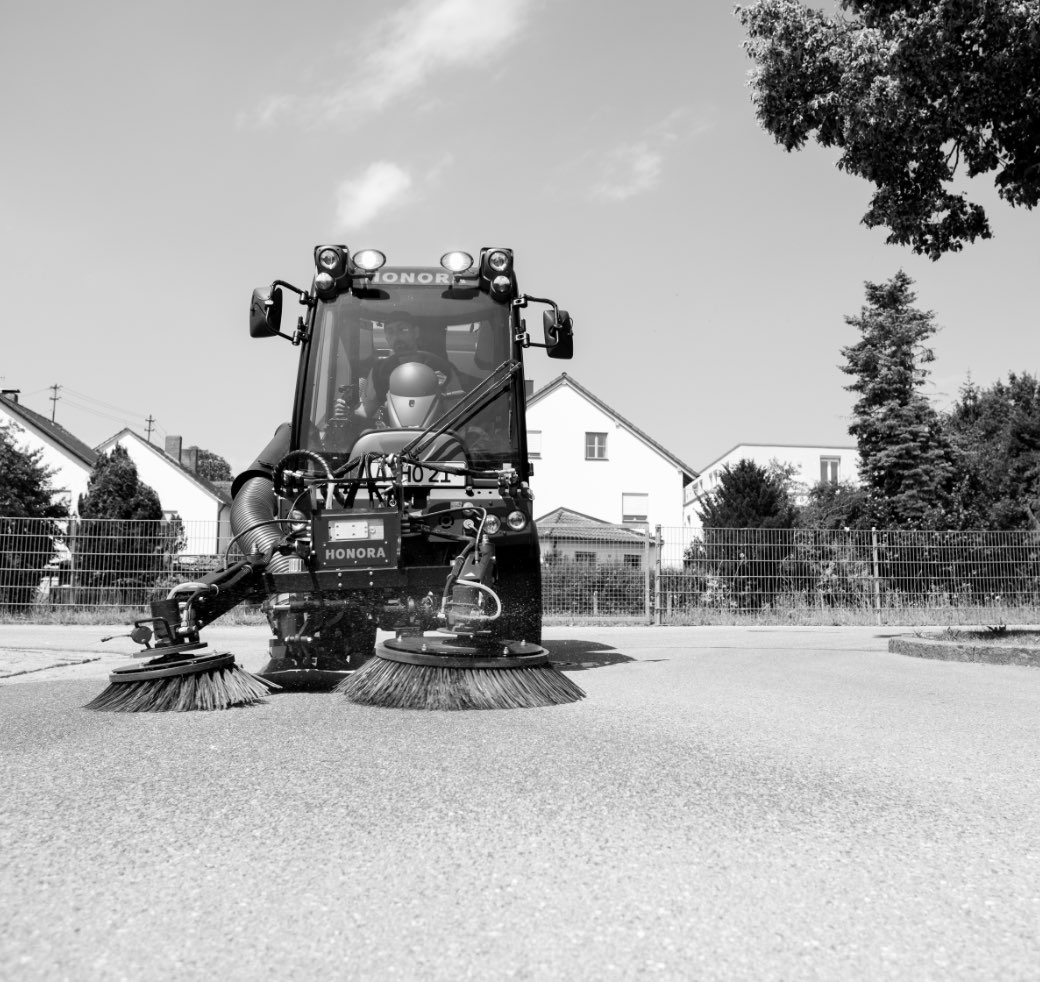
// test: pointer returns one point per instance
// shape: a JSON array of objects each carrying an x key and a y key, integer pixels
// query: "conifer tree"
[
  {"x": 121, "y": 540},
  {"x": 905, "y": 459}
]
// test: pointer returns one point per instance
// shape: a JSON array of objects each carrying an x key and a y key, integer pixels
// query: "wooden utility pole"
[
  {"x": 54, "y": 399},
  {"x": 149, "y": 421}
]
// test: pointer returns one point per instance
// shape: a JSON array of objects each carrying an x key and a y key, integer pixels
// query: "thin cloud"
[
  {"x": 402, "y": 53},
  {"x": 629, "y": 171},
  {"x": 637, "y": 167},
  {"x": 381, "y": 187}
]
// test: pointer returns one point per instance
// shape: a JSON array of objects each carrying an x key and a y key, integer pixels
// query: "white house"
[
  {"x": 566, "y": 535},
  {"x": 810, "y": 466},
  {"x": 587, "y": 457},
  {"x": 203, "y": 507},
  {"x": 70, "y": 459}
]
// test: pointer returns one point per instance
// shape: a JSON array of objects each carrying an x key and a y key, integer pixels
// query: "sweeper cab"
[{"x": 399, "y": 494}]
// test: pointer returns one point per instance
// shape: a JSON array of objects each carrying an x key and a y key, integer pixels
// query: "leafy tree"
[
  {"x": 212, "y": 466},
  {"x": 25, "y": 483},
  {"x": 121, "y": 539},
  {"x": 747, "y": 497},
  {"x": 995, "y": 434},
  {"x": 908, "y": 90},
  {"x": 27, "y": 520},
  {"x": 833, "y": 506},
  {"x": 905, "y": 461}
]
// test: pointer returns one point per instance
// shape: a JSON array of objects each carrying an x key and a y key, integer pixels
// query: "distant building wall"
[
  {"x": 812, "y": 464},
  {"x": 558, "y": 426}
]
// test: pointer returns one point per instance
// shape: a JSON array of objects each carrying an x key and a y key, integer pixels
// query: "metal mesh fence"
[
  {"x": 595, "y": 572},
  {"x": 101, "y": 562},
  {"x": 854, "y": 576}
]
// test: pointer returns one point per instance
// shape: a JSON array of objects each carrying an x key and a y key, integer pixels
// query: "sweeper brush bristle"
[
  {"x": 206, "y": 689},
  {"x": 399, "y": 685}
]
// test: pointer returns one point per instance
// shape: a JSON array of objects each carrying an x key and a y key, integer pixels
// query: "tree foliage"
[
  {"x": 908, "y": 91},
  {"x": 212, "y": 466},
  {"x": 25, "y": 483},
  {"x": 748, "y": 496},
  {"x": 115, "y": 559},
  {"x": 27, "y": 520},
  {"x": 115, "y": 491},
  {"x": 995, "y": 434},
  {"x": 905, "y": 460},
  {"x": 832, "y": 506}
]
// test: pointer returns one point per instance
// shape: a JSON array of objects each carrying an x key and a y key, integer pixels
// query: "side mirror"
[
  {"x": 265, "y": 312},
  {"x": 559, "y": 334}
]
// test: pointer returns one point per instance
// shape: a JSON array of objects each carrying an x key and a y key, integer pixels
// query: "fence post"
[
  {"x": 658, "y": 613},
  {"x": 876, "y": 576},
  {"x": 646, "y": 577}
]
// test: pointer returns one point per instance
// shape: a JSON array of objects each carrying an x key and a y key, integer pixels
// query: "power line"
[
  {"x": 98, "y": 412},
  {"x": 107, "y": 405}
]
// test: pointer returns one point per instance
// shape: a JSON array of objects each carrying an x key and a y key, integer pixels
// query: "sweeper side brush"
[
  {"x": 428, "y": 673},
  {"x": 173, "y": 683}
]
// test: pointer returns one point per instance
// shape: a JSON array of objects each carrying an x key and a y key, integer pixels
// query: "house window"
[
  {"x": 633, "y": 559},
  {"x": 534, "y": 443},
  {"x": 829, "y": 469},
  {"x": 586, "y": 558},
  {"x": 634, "y": 507},
  {"x": 595, "y": 446}
]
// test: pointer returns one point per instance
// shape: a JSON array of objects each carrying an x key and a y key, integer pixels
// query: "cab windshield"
[{"x": 455, "y": 340}]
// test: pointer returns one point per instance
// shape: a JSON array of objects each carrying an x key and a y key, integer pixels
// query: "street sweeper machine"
[{"x": 397, "y": 498}]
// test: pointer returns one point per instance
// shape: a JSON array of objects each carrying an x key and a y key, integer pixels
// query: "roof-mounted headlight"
[
  {"x": 331, "y": 259},
  {"x": 369, "y": 260},
  {"x": 499, "y": 261},
  {"x": 457, "y": 262}
]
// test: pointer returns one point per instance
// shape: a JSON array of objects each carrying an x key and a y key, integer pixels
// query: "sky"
[{"x": 161, "y": 160}]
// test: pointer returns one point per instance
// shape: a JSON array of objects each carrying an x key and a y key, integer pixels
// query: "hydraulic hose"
[{"x": 254, "y": 504}]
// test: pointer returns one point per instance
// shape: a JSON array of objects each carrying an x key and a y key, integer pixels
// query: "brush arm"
[{"x": 208, "y": 598}]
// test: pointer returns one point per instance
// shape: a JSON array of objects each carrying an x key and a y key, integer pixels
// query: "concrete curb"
[{"x": 991, "y": 654}]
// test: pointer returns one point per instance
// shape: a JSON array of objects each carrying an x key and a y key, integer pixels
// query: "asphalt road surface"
[{"x": 726, "y": 804}]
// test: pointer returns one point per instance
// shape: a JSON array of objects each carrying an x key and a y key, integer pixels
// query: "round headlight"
[
  {"x": 492, "y": 524},
  {"x": 498, "y": 262},
  {"x": 329, "y": 258},
  {"x": 456, "y": 262},
  {"x": 500, "y": 284},
  {"x": 324, "y": 281},
  {"x": 298, "y": 521},
  {"x": 516, "y": 520},
  {"x": 369, "y": 260}
]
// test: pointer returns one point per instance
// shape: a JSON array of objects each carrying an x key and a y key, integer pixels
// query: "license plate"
[
  {"x": 420, "y": 474},
  {"x": 428, "y": 476}
]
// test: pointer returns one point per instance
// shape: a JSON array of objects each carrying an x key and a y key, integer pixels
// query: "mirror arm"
[
  {"x": 523, "y": 300},
  {"x": 305, "y": 298}
]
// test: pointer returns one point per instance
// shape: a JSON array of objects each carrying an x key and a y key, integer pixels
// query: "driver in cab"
[{"x": 402, "y": 335}]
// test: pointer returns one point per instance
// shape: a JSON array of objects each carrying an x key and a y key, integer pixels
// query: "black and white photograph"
[{"x": 522, "y": 489}]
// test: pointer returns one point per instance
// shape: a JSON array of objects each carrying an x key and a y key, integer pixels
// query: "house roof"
[
  {"x": 221, "y": 494},
  {"x": 73, "y": 446},
  {"x": 565, "y": 380},
  {"x": 776, "y": 446},
  {"x": 564, "y": 523}
]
